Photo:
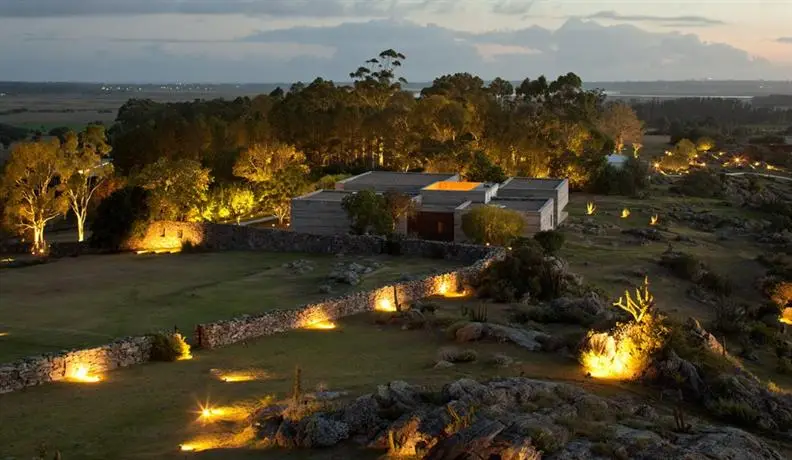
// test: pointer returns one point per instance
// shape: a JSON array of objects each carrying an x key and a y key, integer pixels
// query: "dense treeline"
[
  {"x": 537, "y": 128},
  {"x": 727, "y": 117}
]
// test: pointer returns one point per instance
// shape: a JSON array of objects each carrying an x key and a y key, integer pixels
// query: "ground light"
[
  {"x": 234, "y": 376},
  {"x": 653, "y": 220},
  {"x": 384, "y": 304},
  {"x": 82, "y": 374},
  {"x": 321, "y": 325}
]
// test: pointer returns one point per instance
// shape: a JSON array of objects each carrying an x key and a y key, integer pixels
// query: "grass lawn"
[
  {"x": 90, "y": 300},
  {"x": 146, "y": 411}
]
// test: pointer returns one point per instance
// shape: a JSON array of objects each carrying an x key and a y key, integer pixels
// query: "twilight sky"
[{"x": 289, "y": 40}]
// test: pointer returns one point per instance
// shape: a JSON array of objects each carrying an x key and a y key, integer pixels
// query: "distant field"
[
  {"x": 90, "y": 300},
  {"x": 47, "y": 111}
]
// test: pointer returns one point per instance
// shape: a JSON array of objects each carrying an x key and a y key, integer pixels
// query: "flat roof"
[
  {"x": 453, "y": 186},
  {"x": 531, "y": 183},
  {"x": 325, "y": 195},
  {"x": 385, "y": 178},
  {"x": 522, "y": 205}
]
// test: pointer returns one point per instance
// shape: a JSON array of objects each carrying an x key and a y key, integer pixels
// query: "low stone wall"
[
  {"x": 248, "y": 327},
  {"x": 54, "y": 367},
  {"x": 166, "y": 235}
]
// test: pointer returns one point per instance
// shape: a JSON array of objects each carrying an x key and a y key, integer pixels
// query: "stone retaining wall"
[{"x": 54, "y": 367}]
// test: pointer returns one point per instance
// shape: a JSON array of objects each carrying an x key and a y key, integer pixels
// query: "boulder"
[{"x": 320, "y": 431}]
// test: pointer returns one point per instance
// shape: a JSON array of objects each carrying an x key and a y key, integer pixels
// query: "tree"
[
  {"x": 83, "y": 171},
  {"x": 399, "y": 206},
  {"x": 123, "y": 214},
  {"x": 493, "y": 225},
  {"x": 31, "y": 190},
  {"x": 276, "y": 194},
  {"x": 233, "y": 201},
  {"x": 263, "y": 162},
  {"x": 481, "y": 169},
  {"x": 368, "y": 213},
  {"x": 178, "y": 188},
  {"x": 620, "y": 123},
  {"x": 705, "y": 144}
]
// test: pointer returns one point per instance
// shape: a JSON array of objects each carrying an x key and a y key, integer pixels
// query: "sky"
[{"x": 259, "y": 41}]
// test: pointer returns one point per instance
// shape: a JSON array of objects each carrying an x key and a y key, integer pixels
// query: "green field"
[{"x": 90, "y": 300}]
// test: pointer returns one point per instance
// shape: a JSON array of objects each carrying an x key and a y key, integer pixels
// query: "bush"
[
  {"x": 628, "y": 180},
  {"x": 169, "y": 347},
  {"x": 683, "y": 266},
  {"x": 455, "y": 355},
  {"x": 551, "y": 240},
  {"x": 523, "y": 270},
  {"x": 717, "y": 284},
  {"x": 119, "y": 217},
  {"x": 736, "y": 412},
  {"x": 700, "y": 183},
  {"x": 493, "y": 225},
  {"x": 368, "y": 212}
]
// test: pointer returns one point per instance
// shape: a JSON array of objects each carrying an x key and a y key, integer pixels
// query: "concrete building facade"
[{"x": 441, "y": 200}]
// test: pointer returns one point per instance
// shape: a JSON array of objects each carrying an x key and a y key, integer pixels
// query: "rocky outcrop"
[
  {"x": 528, "y": 339},
  {"x": 513, "y": 418}
]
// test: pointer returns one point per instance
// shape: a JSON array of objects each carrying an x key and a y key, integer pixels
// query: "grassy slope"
[
  {"x": 147, "y": 411},
  {"x": 90, "y": 300}
]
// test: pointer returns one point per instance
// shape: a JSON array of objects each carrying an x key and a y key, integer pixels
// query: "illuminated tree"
[
  {"x": 705, "y": 144},
  {"x": 263, "y": 162},
  {"x": 680, "y": 157},
  {"x": 83, "y": 171},
  {"x": 620, "y": 123},
  {"x": 179, "y": 188},
  {"x": 493, "y": 225},
  {"x": 230, "y": 202},
  {"x": 276, "y": 194},
  {"x": 30, "y": 187}
]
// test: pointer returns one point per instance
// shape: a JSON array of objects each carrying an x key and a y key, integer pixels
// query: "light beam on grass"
[
  {"x": 324, "y": 324},
  {"x": 82, "y": 373},
  {"x": 653, "y": 220},
  {"x": 625, "y": 213},
  {"x": 590, "y": 208},
  {"x": 3, "y": 334},
  {"x": 234, "y": 376}
]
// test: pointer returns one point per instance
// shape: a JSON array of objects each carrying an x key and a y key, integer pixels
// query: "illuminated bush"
[
  {"x": 493, "y": 225},
  {"x": 169, "y": 347},
  {"x": 625, "y": 352}
]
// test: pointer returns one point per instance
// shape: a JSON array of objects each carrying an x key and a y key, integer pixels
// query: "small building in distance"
[{"x": 441, "y": 200}]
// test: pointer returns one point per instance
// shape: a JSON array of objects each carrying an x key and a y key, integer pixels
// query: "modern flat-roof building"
[{"x": 441, "y": 201}]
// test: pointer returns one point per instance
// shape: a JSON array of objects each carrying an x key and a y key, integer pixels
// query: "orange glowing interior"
[{"x": 453, "y": 186}]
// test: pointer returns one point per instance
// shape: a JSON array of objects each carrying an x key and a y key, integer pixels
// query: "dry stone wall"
[
  {"x": 171, "y": 235},
  {"x": 60, "y": 366}
]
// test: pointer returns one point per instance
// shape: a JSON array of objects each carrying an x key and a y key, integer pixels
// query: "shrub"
[
  {"x": 493, "y": 225},
  {"x": 120, "y": 216},
  {"x": 717, "y": 284},
  {"x": 169, "y": 347},
  {"x": 700, "y": 183},
  {"x": 628, "y": 180},
  {"x": 683, "y": 266},
  {"x": 455, "y": 355},
  {"x": 523, "y": 270},
  {"x": 736, "y": 412},
  {"x": 551, "y": 240}
]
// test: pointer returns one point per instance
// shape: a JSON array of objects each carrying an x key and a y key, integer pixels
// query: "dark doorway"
[{"x": 437, "y": 226}]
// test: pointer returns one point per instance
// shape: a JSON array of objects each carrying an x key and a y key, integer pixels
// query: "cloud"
[
  {"x": 668, "y": 21},
  {"x": 513, "y": 7},
  {"x": 593, "y": 51},
  {"x": 279, "y": 8},
  {"x": 787, "y": 40}
]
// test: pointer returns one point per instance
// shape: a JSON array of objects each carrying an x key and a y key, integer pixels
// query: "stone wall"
[
  {"x": 166, "y": 235},
  {"x": 60, "y": 366},
  {"x": 226, "y": 332}
]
